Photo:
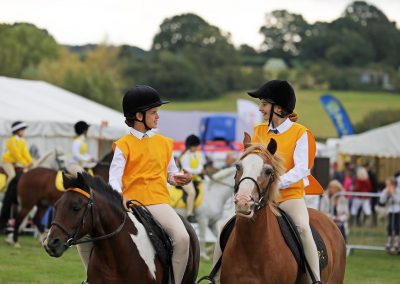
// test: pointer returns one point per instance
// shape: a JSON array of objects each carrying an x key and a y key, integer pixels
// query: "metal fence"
[{"x": 371, "y": 235}]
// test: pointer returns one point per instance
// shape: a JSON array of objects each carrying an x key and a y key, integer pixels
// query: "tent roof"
[
  {"x": 382, "y": 142},
  {"x": 36, "y": 102}
]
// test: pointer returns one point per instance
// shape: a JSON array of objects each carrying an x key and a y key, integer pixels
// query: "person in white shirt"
[
  {"x": 192, "y": 160},
  {"x": 80, "y": 154}
]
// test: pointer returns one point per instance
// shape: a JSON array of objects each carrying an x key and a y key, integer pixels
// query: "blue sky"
[{"x": 136, "y": 22}]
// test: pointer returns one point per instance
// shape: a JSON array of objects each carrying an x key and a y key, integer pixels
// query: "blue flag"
[{"x": 338, "y": 114}]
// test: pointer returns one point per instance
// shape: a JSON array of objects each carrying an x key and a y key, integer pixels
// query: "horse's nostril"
[{"x": 54, "y": 242}]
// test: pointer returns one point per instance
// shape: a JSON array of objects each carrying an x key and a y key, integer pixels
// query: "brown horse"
[
  {"x": 122, "y": 251},
  {"x": 37, "y": 187},
  {"x": 256, "y": 251}
]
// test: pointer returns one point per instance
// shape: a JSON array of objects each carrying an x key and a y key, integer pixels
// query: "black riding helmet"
[
  {"x": 140, "y": 99},
  {"x": 276, "y": 92},
  {"x": 80, "y": 127},
  {"x": 192, "y": 140}
]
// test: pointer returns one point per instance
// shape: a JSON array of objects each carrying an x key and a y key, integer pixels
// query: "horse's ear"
[
  {"x": 246, "y": 140},
  {"x": 272, "y": 146},
  {"x": 68, "y": 180}
]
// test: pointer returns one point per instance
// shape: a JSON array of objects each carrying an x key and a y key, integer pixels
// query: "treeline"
[{"x": 190, "y": 59}]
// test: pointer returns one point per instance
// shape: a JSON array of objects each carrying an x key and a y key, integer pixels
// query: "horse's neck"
[
  {"x": 263, "y": 228},
  {"x": 221, "y": 190}
]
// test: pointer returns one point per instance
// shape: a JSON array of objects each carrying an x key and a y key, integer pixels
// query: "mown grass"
[
  {"x": 311, "y": 113},
  {"x": 31, "y": 264}
]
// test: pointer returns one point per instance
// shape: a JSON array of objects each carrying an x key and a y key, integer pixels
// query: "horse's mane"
[
  {"x": 107, "y": 158},
  {"x": 86, "y": 182},
  {"x": 277, "y": 165}
]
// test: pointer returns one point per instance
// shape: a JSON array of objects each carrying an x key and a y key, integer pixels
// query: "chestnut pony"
[
  {"x": 37, "y": 188},
  {"x": 122, "y": 251},
  {"x": 256, "y": 251}
]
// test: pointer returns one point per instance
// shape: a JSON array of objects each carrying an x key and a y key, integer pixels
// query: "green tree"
[
  {"x": 23, "y": 45},
  {"x": 206, "y": 48},
  {"x": 283, "y": 32}
]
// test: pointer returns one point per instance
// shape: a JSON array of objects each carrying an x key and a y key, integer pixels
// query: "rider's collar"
[{"x": 139, "y": 135}]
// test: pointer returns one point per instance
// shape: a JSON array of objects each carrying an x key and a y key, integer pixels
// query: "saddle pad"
[
  {"x": 59, "y": 182},
  {"x": 178, "y": 196},
  {"x": 159, "y": 238},
  {"x": 292, "y": 238},
  {"x": 3, "y": 180}
]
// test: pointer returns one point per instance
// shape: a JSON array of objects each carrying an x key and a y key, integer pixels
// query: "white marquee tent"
[
  {"x": 380, "y": 142},
  {"x": 51, "y": 112}
]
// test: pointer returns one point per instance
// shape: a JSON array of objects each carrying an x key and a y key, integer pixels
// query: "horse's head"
[
  {"x": 75, "y": 215},
  {"x": 257, "y": 175}
]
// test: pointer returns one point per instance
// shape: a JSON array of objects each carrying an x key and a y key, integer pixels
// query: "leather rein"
[{"x": 72, "y": 238}]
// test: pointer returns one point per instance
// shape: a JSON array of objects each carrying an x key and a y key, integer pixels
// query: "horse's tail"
[{"x": 10, "y": 199}]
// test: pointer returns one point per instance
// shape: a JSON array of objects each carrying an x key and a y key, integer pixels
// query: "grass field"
[
  {"x": 31, "y": 264},
  {"x": 310, "y": 110}
]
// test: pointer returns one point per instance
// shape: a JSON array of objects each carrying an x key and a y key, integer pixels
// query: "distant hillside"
[{"x": 81, "y": 49}]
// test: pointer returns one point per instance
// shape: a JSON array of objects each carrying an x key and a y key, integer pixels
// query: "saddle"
[
  {"x": 159, "y": 238},
  {"x": 292, "y": 239}
]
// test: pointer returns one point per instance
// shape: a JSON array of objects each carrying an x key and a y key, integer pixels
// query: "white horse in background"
[{"x": 217, "y": 189}]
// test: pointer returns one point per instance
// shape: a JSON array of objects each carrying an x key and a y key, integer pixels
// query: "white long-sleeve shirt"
[
  {"x": 77, "y": 157},
  {"x": 392, "y": 200},
  {"x": 300, "y": 157},
  {"x": 185, "y": 162},
  {"x": 118, "y": 163}
]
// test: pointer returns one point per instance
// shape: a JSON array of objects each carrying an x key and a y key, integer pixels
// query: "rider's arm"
[
  {"x": 300, "y": 169},
  {"x": 171, "y": 170},
  {"x": 117, "y": 170}
]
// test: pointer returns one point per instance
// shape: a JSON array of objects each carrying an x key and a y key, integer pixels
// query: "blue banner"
[{"x": 338, "y": 115}]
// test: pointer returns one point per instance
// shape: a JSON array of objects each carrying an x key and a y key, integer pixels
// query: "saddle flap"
[
  {"x": 293, "y": 241},
  {"x": 159, "y": 238}
]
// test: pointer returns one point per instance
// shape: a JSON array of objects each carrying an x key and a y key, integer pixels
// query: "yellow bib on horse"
[
  {"x": 59, "y": 182},
  {"x": 3, "y": 180},
  {"x": 177, "y": 200}
]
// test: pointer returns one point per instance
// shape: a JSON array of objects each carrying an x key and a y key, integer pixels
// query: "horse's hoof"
[{"x": 11, "y": 242}]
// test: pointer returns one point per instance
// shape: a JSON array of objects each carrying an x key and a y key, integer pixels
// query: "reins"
[{"x": 72, "y": 238}]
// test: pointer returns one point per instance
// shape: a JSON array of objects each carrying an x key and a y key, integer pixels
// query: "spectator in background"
[
  {"x": 362, "y": 185},
  {"x": 374, "y": 189},
  {"x": 391, "y": 197},
  {"x": 336, "y": 206},
  {"x": 336, "y": 174}
]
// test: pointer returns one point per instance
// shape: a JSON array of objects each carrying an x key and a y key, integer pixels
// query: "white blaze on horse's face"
[{"x": 251, "y": 166}]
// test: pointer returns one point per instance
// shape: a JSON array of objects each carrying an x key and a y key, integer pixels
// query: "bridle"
[
  {"x": 260, "y": 203},
  {"x": 72, "y": 238}
]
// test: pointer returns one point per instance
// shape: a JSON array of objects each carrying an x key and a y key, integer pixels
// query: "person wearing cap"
[
  {"x": 80, "y": 156},
  {"x": 297, "y": 146},
  {"x": 16, "y": 153},
  {"x": 142, "y": 165},
  {"x": 192, "y": 160}
]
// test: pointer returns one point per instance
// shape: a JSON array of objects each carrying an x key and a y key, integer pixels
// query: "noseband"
[
  {"x": 257, "y": 205},
  {"x": 72, "y": 238}
]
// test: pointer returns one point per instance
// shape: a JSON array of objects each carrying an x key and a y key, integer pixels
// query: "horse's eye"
[
  {"x": 237, "y": 167},
  {"x": 76, "y": 208}
]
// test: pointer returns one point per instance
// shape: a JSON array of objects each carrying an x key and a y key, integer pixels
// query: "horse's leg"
[
  {"x": 202, "y": 221},
  {"x": 19, "y": 217},
  {"x": 37, "y": 219}
]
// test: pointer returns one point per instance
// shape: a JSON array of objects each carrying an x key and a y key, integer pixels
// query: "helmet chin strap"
[
  {"x": 271, "y": 114},
  {"x": 144, "y": 121}
]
